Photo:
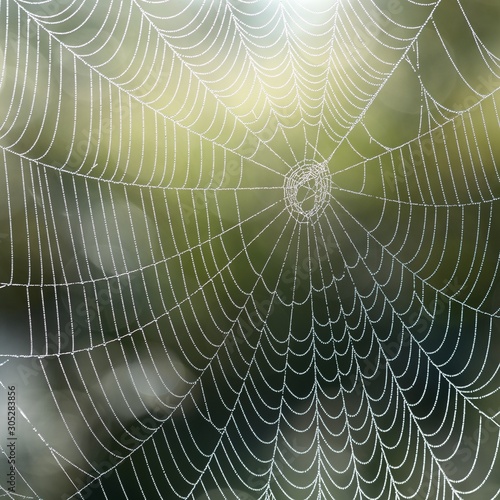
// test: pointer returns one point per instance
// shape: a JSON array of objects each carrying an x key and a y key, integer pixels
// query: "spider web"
[{"x": 248, "y": 248}]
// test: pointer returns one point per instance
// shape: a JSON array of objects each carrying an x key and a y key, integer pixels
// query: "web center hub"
[{"x": 307, "y": 190}]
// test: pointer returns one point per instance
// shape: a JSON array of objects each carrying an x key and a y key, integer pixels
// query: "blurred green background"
[{"x": 158, "y": 294}]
